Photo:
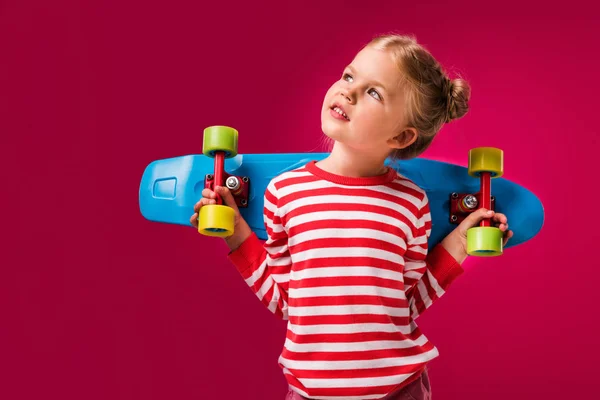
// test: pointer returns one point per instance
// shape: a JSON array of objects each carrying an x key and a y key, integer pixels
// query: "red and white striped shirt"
[{"x": 346, "y": 264}]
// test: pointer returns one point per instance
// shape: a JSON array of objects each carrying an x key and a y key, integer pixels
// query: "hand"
[
  {"x": 456, "y": 242},
  {"x": 241, "y": 230},
  {"x": 210, "y": 197}
]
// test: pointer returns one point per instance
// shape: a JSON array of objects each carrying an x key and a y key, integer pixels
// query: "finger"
[
  {"x": 501, "y": 218},
  {"x": 502, "y": 227},
  {"x": 208, "y": 193},
  {"x": 500, "y": 221},
  {"x": 203, "y": 201},
  {"x": 476, "y": 217},
  {"x": 194, "y": 220},
  {"x": 507, "y": 236},
  {"x": 199, "y": 204},
  {"x": 225, "y": 193}
]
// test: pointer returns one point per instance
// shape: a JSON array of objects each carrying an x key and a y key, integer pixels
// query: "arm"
[
  {"x": 427, "y": 274},
  {"x": 266, "y": 267}
]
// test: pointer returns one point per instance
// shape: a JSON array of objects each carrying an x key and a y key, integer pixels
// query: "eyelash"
[{"x": 380, "y": 97}]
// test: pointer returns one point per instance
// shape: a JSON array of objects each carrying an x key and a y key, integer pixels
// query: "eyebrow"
[{"x": 376, "y": 83}]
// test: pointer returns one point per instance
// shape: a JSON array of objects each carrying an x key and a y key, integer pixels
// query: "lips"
[{"x": 338, "y": 105}]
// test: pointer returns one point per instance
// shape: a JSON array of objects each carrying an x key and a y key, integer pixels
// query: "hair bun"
[{"x": 457, "y": 98}]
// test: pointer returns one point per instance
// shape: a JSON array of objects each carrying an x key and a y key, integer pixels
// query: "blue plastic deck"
[{"x": 169, "y": 188}]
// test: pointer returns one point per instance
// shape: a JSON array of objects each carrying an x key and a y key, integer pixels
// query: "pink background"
[{"x": 98, "y": 303}]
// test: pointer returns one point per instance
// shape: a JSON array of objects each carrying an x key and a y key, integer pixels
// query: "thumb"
[
  {"x": 474, "y": 218},
  {"x": 227, "y": 197}
]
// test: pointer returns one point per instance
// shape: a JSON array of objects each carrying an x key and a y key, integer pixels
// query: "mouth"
[{"x": 336, "y": 107}]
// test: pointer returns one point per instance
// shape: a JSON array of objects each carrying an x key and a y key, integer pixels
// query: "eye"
[{"x": 377, "y": 93}]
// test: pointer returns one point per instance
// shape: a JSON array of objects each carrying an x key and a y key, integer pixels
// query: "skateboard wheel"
[
  {"x": 484, "y": 241},
  {"x": 220, "y": 138},
  {"x": 486, "y": 159},
  {"x": 216, "y": 220}
]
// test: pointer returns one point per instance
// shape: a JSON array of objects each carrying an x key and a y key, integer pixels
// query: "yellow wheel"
[
  {"x": 220, "y": 138},
  {"x": 216, "y": 220},
  {"x": 484, "y": 241},
  {"x": 486, "y": 159}
]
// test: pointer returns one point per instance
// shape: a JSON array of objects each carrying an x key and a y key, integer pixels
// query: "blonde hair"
[{"x": 432, "y": 98}]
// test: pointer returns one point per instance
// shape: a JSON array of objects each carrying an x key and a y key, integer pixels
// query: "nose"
[{"x": 348, "y": 95}]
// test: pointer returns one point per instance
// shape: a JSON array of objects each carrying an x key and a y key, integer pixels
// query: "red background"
[{"x": 98, "y": 303}]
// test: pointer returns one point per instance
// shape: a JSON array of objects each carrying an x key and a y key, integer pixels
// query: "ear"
[{"x": 404, "y": 139}]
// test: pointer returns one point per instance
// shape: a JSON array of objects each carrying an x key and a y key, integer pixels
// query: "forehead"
[{"x": 377, "y": 65}]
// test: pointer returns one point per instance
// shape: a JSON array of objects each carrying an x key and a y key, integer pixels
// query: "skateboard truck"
[
  {"x": 485, "y": 163},
  {"x": 238, "y": 185},
  {"x": 462, "y": 204},
  {"x": 221, "y": 142}
]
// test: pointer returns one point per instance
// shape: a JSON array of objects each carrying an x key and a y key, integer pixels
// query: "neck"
[{"x": 349, "y": 162}]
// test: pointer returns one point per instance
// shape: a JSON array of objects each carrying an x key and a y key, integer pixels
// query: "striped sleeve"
[
  {"x": 427, "y": 274},
  {"x": 266, "y": 266}
]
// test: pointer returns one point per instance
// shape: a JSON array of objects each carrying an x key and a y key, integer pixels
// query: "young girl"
[{"x": 346, "y": 262}]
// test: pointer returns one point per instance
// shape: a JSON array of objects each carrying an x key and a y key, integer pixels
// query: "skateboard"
[{"x": 170, "y": 187}]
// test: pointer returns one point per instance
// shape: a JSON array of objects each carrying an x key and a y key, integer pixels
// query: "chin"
[{"x": 332, "y": 132}]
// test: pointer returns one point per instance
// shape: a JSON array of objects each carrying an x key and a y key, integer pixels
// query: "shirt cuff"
[
  {"x": 247, "y": 253},
  {"x": 443, "y": 266}
]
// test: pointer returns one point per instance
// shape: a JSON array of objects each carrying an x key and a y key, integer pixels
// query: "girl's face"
[{"x": 369, "y": 94}]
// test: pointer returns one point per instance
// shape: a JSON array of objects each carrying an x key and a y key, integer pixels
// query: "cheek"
[
  {"x": 328, "y": 96},
  {"x": 370, "y": 114},
  {"x": 333, "y": 88}
]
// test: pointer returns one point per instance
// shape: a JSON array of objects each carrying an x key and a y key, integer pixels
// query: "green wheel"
[
  {"x": 486, "y": 159},
  {"x": 216, "y": 220},
  {"x": 220, "y": 138},
  {"x": 484, "y": 241}
]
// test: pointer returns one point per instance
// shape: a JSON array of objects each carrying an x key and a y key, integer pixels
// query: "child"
[{"x": 346, "y": 262}]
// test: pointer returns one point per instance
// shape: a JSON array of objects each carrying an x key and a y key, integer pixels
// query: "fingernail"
[{"x": 490, "y": 212}]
